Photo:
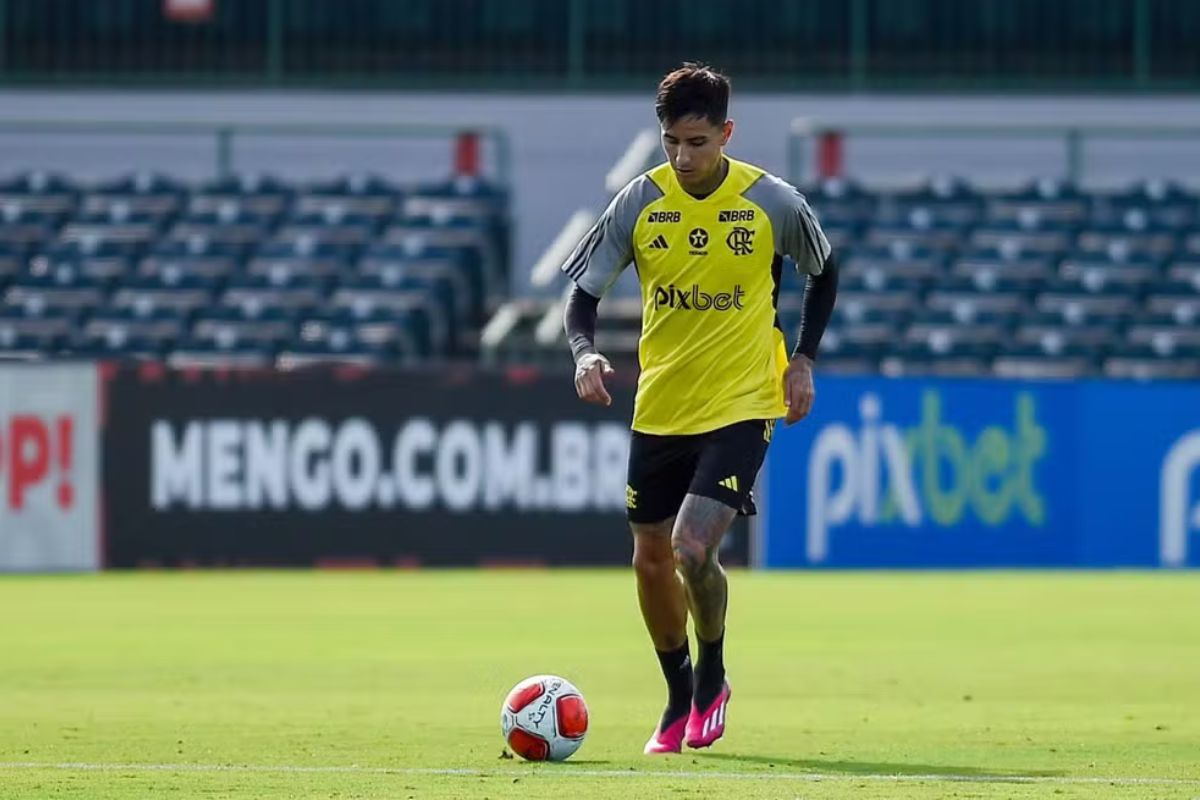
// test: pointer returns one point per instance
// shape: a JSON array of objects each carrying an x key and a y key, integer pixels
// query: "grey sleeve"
[
  {"x": 607, "y": 249},
  {"x": 798, "y": 234}
]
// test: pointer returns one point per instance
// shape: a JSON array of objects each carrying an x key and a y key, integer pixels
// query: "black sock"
[
  {"x": 710, "y": 671},
  {"x": 677, "y": 669}
]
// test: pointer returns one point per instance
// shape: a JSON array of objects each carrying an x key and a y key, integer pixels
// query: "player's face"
[{"x": 693, "y": 146}]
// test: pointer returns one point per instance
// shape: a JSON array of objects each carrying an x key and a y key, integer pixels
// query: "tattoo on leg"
[{"x": 699, "y": 528}]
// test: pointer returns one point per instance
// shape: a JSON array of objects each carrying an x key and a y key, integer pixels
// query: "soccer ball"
[{"x": 544, "y": 718}]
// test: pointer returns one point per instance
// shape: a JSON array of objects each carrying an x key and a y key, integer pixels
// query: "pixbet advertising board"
[{"x": 969, "y": 473}]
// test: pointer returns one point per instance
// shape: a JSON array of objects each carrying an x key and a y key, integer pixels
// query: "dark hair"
[{"x": 693, "y": 90}]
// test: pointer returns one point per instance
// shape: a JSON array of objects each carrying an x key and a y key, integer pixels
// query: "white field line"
[{"x": 568, "y": 772}]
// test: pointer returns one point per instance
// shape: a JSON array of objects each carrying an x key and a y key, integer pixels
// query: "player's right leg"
[
  {"x": 664, "y": 610},
  {"x": 660, "y": 469}
]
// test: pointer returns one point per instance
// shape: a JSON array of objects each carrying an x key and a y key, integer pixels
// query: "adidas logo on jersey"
[
  {"x": 731, "y": 483},
  {"x": 659, "y": 243}
]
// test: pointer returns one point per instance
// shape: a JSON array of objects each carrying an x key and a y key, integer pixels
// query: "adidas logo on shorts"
[{"x": 730, "y": 483}]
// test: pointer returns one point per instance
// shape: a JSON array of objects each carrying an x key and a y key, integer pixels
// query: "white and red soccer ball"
[{"x": 544, "y": 718}]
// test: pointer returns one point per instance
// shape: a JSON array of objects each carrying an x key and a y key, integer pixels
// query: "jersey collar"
[{"x": 722, "y": 189}]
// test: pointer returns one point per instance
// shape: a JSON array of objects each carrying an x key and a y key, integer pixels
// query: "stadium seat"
[
  {"x": 322, "y": 344},
  {"x": 22, "y": 229},
  {"x": 146, "y": 296},
  {"x": 1163, "y": 332},
  {"x": 1009, "y": 262},
  {"x": 406, "y": 333},
  {"x": 1097, "y": 271},
  {"x": 289, "y": 293},
  {"x": 938, "y": 237},
  {"x": 23, "y": 321},
  {"x": 1180, "y": 298},
  {"x": 1155, "y": 202},
  {"x": 157, "y": 330},
  {"x": 12, "y": 261},
  {"x": 1044, "y": 201},
  {"x": 1036, "y": 328},
  {"x": 1048, "y": 239},
  {"x": 327, "y": 229},
  {"x": 967, "y": 299},
  {"x": 366, "y": 304},
  {"x": 1120, "y": 242},
  {"x": 17, "y": 346},
  {"x": 975, "y": 326},
  {"x": 417, "y": 235},
  {"x": 105, "y": 271},
  {"x": 939, "y": 356},
  {"x": 113, "y": 345},
  {"x": 841, "y": 203},
  {"x": 39, "y": 192},
  {"x": 456, "y": 264},
  {"x": 62, "y": 289},
  {"x": 841, "y": 356},
  {"x": 279, "y": 263},
  {"x": 259, "y": 196},
  {"x": 899, "y": 259},
  {"x": 1185, "y": 269},
  {"x": 197, "y": 258},
  {"x": 365, "y": 196},
  {"x": 119, "y": 206},
  {"x": 944, "y": 201},
  {"x": 464, "y": 301},
  {"x": 236, "y": 229},
  {"x": 1050, "y": 358},
  {"x": 1161, "y": 359},
  {"x": 266, "y": 327},
  {"x": 859, "y": 326},
  {"x": 224, "y": 351},
  {"x": 1077, "y": 298}
]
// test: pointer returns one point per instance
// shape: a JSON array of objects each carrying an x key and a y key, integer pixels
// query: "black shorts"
[{"x": 720, "y": 464}]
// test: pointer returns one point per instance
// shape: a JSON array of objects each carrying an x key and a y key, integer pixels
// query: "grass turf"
[{"x": 864, "y": 685}]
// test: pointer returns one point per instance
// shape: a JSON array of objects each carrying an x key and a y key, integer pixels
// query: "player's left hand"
[{"x": 798, "y": 391}]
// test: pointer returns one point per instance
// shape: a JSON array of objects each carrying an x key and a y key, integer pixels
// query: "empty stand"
[{"x": 248, "y": 271}]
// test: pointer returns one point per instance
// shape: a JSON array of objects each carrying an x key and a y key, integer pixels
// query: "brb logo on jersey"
[
  {"x": 736, "y": 215},
  {"x": 665, "y": 216},
  {"x": 696, "y": 300}
]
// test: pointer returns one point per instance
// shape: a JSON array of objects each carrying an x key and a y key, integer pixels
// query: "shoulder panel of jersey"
[
  {"x": 598, "y": 259},
  {"x": 795, "y": 228}
]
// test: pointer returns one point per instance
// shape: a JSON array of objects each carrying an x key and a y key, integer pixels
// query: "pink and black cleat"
[
  {"x": 667, "y": 741},
  {"x": 705, "y": 728}
]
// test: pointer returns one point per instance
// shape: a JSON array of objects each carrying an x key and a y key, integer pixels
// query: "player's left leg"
[
  {"x": 699, "y": 529},
  {"x": 720, "y": 490}
]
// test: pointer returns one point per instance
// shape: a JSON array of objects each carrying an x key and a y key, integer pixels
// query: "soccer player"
[{"x": 707, "y": 236}]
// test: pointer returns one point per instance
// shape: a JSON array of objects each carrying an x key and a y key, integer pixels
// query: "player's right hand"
[{"x": 590, "y": 370}]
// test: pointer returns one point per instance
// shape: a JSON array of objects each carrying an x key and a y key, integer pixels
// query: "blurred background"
[{"x": 279, "y": 279}]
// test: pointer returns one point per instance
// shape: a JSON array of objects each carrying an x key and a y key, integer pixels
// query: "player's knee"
[
  {"x": 691, "y": 555},
  {"x": 652, "y": 557},
  {"x": 652, "y": 563}
]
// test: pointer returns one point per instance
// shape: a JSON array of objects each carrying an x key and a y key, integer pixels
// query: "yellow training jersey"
[{"x": 711, "y": 350}]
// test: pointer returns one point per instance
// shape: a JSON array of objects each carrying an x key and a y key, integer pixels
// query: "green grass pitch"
[{"x": 388, "y": 685}]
